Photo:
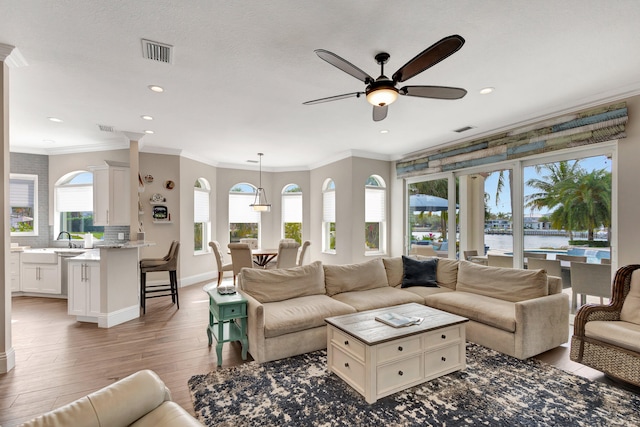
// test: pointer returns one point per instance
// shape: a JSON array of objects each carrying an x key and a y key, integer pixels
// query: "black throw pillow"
[{"x": 419, "y": 273}]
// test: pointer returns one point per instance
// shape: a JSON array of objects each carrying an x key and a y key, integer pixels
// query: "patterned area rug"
[{"x": 494, "y": 390}]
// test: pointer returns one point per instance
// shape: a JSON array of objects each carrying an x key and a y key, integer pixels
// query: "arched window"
[
  {"x": 201, "y": 221},
  {"x": 244, "y": 222},
  {"x": 292, "y": 212},
  {"x": 374, "y": 214},
  {"x": 329, "y": 216},
  {"x": 73, "y": 204}
]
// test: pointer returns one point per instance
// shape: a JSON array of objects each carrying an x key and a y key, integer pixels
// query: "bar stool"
[{"x": 167, "y": 263}]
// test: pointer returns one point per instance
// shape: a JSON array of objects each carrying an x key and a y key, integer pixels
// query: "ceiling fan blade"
[
  {"x": 344, "y": 65},
  {"x": 334, "y": 98},
  {"x": 436, "y": 92},
  {"x": 379, "y": 113},
  {"x": 429, "y": 57}
]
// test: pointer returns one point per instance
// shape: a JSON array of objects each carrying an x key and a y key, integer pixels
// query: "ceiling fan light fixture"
[{"x": 381, "y": 96}]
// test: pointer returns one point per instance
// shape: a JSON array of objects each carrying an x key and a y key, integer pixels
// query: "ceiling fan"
[{"x": 382, "y": 91}]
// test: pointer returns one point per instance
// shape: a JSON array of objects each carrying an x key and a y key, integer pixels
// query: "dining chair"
[
  {"x": 241, "y": 257},
  {"x": 605, "y": 261},
  {"x": 469, "y": 254},
  {"x": 287, "y": 254},
  {"x": 574, "y": 258},
  {"x": 222, "y": 267},
  {"x": 301, "y": 252},
  {"x": 252, "y": 242},
  {"x": 499, "y": 261},
  {"x": 538, "y": 255},
  {"x": 551, "y": 266},
  {"x": 167, "y": 263},
  {"x": 589, "y": 279}
]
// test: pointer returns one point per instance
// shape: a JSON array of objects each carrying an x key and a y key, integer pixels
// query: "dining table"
[{"x": 262, "y": 257}]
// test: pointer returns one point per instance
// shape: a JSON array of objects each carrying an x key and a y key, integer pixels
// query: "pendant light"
[{"x": 260, "y": 203}]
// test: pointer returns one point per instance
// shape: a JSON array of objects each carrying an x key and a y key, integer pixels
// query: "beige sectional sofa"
[
  {"x": 518, "y": 312},
  {"x": 139, "y": 400}
]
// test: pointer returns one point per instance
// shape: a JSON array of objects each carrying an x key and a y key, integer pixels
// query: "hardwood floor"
[{"x": 59, "y": 360}]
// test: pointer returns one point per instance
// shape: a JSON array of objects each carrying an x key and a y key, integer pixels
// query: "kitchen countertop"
[
  {"x": 123, "y": 245},
  {"x": 89, "y": 255}
]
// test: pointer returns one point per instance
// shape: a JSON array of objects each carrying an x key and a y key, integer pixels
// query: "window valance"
[{"x": 572, "y": 130}]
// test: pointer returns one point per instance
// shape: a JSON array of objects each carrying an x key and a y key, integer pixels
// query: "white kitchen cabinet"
[
  {"x": 41, "y": 278},
  {"x": 111, "y": 195},
  {"x": 15, "y": 271},
  {"x": 84, "y": 290}
]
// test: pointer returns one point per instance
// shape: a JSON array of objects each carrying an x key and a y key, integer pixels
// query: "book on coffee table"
[{"x": 398, "y": 320}]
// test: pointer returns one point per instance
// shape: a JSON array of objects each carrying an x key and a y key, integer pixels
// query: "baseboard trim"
[
  {"x": 119, "y": 316},
  {"x": 7, "y": 361}
]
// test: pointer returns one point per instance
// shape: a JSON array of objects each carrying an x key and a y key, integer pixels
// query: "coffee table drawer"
[
  {"x": 398, "y": 348},
  {"x": 398, "y": 374},
  {"x": 442, "y": 336},
  {"x": 349, "y": 368},
  {"x": 347, "y": 343},
  {"x": 442, "y": 360}
]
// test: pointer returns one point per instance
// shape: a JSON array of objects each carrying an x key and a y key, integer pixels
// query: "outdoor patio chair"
[
  {"x": 500, "y": 261},
  {"x": 539, "y": 255},
  {"x": 574, "y": 258},
  {"x": 589, "y": 279},
  {"x": 551, "y": 266}
]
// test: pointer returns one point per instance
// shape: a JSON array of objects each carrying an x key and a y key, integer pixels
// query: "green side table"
[{"x": 227, "y": 320}]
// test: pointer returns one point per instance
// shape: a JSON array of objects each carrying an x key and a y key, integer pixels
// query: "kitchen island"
[{"x": 104, "y": 282}]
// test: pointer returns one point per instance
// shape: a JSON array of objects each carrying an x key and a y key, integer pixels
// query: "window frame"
[
  {"x": 380, "y": 187},
  {"x": 329, "y": 227},
  {"x": 205, "y": 228},
  {"x": 62, "y": 182},
  {"x": 283, "y": 225},
  {"x": 250, "y": 196}
]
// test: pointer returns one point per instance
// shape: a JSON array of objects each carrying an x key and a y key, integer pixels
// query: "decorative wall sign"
[{"x": 169, "y": 185}]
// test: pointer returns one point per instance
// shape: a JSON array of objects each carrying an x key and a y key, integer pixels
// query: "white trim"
[
  {"x": 119, "y": 316},
  {"x": 7, "y": 361}
]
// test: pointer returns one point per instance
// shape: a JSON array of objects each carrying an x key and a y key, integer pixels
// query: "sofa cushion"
[
  {"x": 425, "y": 291},
  {"x": 300, "y": 314},
  {"x": 419, "y": 272},
  {"x": 355, "y": 277},
  {"x": 620, "y": 334},
  {"x": 284, "y": 283},
  {"x": 378, "y": 298},
  {"x": 631, "y": 307},
  {"x": 446, "y": 273},
  {"x": 483, "y": 309},
  {"x": 508, "y": 284},
  {"x": 167, "y": 414}
]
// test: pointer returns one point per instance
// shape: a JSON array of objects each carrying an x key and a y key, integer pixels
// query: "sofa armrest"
[
  {"x": 255, "y": 327},
  {"x": 541, "y": 324}
]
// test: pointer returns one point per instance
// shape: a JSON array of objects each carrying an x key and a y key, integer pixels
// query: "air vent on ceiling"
[
  {"x": 463, "y": 129},
  {"x": 106, "y": 128},
  {"x": 155, "y": 51}
]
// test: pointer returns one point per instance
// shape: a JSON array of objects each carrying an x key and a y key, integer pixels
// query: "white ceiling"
[{"x": 243, "y": 69}]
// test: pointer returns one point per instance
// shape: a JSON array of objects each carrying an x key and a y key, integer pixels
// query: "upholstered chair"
[
  {"x": 241, "y": 257},
  {"x": 287, "y": 254},
  {"x": 302, "y": 251},
  {"x": 222, "y": 267}
]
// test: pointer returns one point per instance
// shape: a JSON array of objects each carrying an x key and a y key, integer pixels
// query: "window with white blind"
[
  {"x": 73, "y": 204},
  {"x": 244, "y": 222},
  {"x": 201, "y": 222},
  {"x": 329, "y": 216},
  {"x": 292, "y": 213},
  {"x": 23, "y": 202},
  {"x": 374, "y": 214}
]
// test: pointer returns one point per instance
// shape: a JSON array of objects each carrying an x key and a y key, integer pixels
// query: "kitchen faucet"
[{"x": 68, "y": 235}]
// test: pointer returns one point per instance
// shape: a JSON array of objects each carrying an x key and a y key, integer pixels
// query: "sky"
[{"x": 491, "y": 183}]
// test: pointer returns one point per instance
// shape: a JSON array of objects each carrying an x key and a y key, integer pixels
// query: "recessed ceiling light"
[
  {"x": 147, "y": 117},
  {"x": 486, "y": 90},
  {"x": 384, "y": 131},
  {"x": 55, "y": 119},
  {"x": 156, "y": 88},
  {"x": 149, "y": 132}
]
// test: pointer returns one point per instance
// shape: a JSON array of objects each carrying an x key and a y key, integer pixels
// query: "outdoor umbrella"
[{"x": 427, "y": 203}]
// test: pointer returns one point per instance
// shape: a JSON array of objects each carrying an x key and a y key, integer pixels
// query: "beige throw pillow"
[
  {"x": 631, "y": 307},
  {"x": 508, "y": 284},
  {"x": 355, "y": 277},
  {"x": 283, "y": 284}
]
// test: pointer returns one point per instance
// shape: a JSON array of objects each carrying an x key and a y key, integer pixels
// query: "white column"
[
  {"x": 7, "y": 354},
  {"x": 134, "y": 171}
]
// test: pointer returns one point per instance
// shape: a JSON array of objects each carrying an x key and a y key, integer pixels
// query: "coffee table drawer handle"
[
  {"x": 443, "y": 336},
  {"x": 346, "y": 365},
  {"x": 444, "y": 359},
  {"x": 400, "y": 373},
  {"x": 346, "y": 343},
  {"x": 400, "y": 348}
]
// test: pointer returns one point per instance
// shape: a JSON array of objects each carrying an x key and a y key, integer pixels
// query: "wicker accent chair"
[{"x": 607, "y": 337}]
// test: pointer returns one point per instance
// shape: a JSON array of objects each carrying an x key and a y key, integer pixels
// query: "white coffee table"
[{"x": 378, "y": 360}]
